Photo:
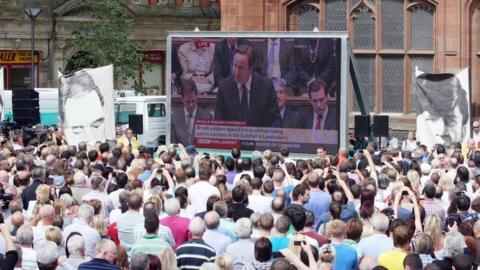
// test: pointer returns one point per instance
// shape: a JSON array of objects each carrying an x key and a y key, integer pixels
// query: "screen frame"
[{"x": 344, "y": 95}]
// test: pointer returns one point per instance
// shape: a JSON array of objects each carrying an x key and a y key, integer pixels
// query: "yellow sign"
[{"x": 17, "y": 57}]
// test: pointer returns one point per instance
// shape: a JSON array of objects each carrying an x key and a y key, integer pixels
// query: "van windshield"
[{"x": 122, "y": 111}]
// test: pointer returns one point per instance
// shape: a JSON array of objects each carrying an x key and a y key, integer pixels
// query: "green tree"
[{"x": 106, "y": 39}]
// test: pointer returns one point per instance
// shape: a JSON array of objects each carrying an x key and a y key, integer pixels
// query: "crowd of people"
[{"x": 119, "y": 206}]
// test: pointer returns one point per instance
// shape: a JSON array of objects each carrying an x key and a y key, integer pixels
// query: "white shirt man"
[
  {"x": 199, "y": 193},
  {"x": 80, "y": 225}
]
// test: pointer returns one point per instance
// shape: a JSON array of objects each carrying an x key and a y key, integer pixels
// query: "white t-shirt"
[
  {"x": 259, "y": 203},
  {"x": 198, "y": 194}
]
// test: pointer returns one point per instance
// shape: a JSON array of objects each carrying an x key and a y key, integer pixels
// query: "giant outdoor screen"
[{"x": 258, "y": 91}]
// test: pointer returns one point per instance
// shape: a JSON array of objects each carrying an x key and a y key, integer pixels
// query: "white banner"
[
  {"x": 86, "y": 105},
  {"x": 443, "y": 107}
]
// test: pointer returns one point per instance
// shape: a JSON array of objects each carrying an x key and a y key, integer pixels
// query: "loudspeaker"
[
  {"x": 25, "y": 106},
  {"x": 362, "y": 125},
  {"x": 135, "y": 123},
  {"x": 380, "y": 125}
]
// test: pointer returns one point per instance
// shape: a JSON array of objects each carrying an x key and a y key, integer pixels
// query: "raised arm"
[{"x": 345, "y": 188}]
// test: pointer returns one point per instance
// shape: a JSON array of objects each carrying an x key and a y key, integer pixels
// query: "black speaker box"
[
  {"x": 25, "y": 106},
  {"x": 362, "y": 125},
  {"x": 380, "y": 125},
  {"x": 135, "y": 123}
]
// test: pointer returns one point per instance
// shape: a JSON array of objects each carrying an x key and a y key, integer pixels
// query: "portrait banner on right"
[
  {"x": 258, "y": 91},
  {"x": 443, "y": 107}
]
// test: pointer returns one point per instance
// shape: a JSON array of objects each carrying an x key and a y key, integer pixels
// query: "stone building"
[
  {"x": 388, "y": 37},
  {"x": 53, "y": 47}
]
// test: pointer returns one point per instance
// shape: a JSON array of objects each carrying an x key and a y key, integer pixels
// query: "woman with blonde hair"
[
  {"x": 446, "y": 183},
  {"x": 168, "y": 259},
  {"x": 414, "y": 178},
  {"x": 42, "y": 194},
  {"x": 224, "y": 262},
  {"x": 98, "y": 223},
  {"x": 422, "y": 244},
  {"x": 433, "y": 227},
  {"x": 54, "y": 234}
]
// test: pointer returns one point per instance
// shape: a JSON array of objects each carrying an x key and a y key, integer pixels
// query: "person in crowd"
[
  {"x": 393, "y": 259},
  {"x": 346, "y": 256},
  {"x": 178, "y": 225},
  {"x": 139, "y": 261},
  {"x": 164, "y": 232},
  {"x": 105, "y": 255},
  {"x": 378, "y": 243},
  {"x": 212, "y": 236},
  {"x": 410, "y": 143},
  {"x": 25, "y": 240},
  {"x": 240, "y": 201},
  {"x": 263, "y": 255},
  {"x": 76, "y": 251},
  {"x": 242, "y": 251},
  {"x": 81, "y": 225},
  {"x": 127, "y": 221},
  {"x": 193, "y": 253},
  {"x": 151, "y": 243},
  {"x": 202, "y": 190},
  {"x": 320, "y": 200},
  {"x": 46, "y": 216},
  {"x": 98, "y": 192}
]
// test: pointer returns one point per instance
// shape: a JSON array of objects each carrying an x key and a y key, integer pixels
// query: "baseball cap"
[{"x": 58, "y": 181}]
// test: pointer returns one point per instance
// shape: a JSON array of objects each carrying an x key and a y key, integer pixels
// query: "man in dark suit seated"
[
  {"x": 246, "y": 96},
  {"x": 286, "y": 118},
  {"x": 223, "y": 57},
  {"x": 320, "y": 118},
  {"x": 276, "y": 59},
  {"x": 315, "y": 59},
  {"x": 183, "y": 119}
]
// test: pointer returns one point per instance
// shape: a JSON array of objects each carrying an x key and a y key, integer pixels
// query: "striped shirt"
[
  {"x": 192, "y": 254},
  {"x": 98, "y": 264}
]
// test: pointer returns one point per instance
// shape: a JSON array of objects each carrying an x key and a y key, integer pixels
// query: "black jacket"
[{"x": 28, "y": 194}]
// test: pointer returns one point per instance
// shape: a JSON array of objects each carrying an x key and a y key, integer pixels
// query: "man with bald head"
[
  {"x": 212, "y": 236},
  {"x": 46, "y": 216},
  {"x": 106, "y": 252}
]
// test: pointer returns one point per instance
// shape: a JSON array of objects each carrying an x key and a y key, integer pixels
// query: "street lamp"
[{"x": 32, "y": 13}]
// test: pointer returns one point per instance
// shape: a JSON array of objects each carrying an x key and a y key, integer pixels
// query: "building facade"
[
  {"x": 388, "y": 37},
  {"x": 53, "y": 36}
]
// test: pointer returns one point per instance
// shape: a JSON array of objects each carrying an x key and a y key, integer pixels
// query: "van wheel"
[{"x": 162, "y": 140}]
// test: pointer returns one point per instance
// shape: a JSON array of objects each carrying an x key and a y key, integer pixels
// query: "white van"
[
  {"x": 154, "y": 111},
  {"x": 126, "y": 102}
]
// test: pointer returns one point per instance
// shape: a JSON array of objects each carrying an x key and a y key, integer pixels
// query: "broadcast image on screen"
[{"x": 255, "y": 93}]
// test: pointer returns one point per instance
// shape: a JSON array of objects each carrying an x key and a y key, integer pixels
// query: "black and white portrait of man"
[
  {"x": 442, "y": 108},
  {"x": 86, "y": 105}
]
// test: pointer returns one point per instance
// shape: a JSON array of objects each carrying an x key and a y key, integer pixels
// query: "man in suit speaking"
[
  {"x": 183, "y": 119},
  {"x": 321, "y": 118},
  {"x": 246, "y": 96}
]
